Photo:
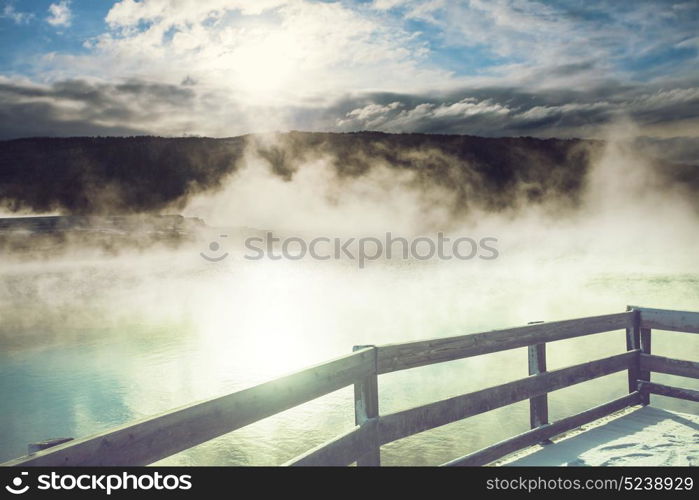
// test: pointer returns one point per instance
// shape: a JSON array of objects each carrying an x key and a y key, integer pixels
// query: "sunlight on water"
[{"x": 88, "y": 347}]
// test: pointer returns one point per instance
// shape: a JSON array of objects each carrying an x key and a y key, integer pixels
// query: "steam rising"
[{"x": 582, "y": 228}]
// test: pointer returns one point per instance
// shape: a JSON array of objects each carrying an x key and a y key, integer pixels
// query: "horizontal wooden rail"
[
  {"x": 530, "y": 438},
  {"x": 414, "y": 420},
  {"x": 665, "y": 319},
  {"x": 152, "y": 439},
  {"x": 343, "y": 450},
  {"x": 668, "y": 390},
  {"x": 670, "y": 366},
  {"x": 394, "y": 357}
]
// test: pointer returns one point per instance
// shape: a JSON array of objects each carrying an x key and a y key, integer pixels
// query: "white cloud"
[
  {"x": 394, "y": 118},
  {"x": 470, "y": 107},
  {"x": 372, "y": 111},
  {"x": 665, "y": 98},
  {"x": 533, "y": 36},
  {"x": 9, "y": 12},
  {"x": 271, "y": 52},
  {"x": 388, "y": 4},
  {"x": 128, "y": 13},
  {"x": 60, "y": 14},
  {"x": 277, "y": 64}
]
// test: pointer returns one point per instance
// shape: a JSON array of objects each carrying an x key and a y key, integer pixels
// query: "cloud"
[
  {"x": 271, "y": 52},
  {"x": 491, "y": 68},
  {"x": 129, "y": 13},
  {"x": 389, "y": 4},
  {"x": 9, "y": 12},
  {"x": 395, "y": 118},
  {"x": 60, "y": 14},
  {"x": 133, "y": 106},
  {"x": 80, "y": 107},
  {"x": 515, "y": 39},
  {"x": 516, "y": 111}
]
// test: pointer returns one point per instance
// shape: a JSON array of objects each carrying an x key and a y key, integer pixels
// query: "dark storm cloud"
[
  {"x": 44, "y": 120},
  {"x": 513, "y": 111},
  {"x": 135, "y": 107},
  {"x": 79, "y": 107}
]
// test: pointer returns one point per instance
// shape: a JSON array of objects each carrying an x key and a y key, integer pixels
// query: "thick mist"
[{"x": 126, "y": 332}]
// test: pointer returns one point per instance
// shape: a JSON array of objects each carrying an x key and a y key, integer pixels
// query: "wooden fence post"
[
  {"x": 633, "y": 342},
  {"x": 645, "y": 374},
  {"x": 366, "y": 407},
  {"x": 539, "y": 405}
]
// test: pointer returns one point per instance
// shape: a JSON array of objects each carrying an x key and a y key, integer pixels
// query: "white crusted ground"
[{"x": 647, "y": 436}]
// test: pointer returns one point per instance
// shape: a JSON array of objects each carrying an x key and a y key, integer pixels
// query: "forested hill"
[{"x": 88, "y": 175}]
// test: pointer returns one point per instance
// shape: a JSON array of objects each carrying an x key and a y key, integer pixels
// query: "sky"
[{"x": 229, "y": 67}]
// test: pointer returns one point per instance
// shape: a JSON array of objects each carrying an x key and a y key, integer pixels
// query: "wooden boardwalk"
[{"x": 152, "y": 439}]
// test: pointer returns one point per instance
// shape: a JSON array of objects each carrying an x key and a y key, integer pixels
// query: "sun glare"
[{"x": 263, "y": 70}]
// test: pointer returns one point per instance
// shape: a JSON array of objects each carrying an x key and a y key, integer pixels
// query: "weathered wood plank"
[
  {"x": 393, "y": 357},
  {"x": 414, "y": 420},
  {"x": 342, "y": 450},
  {"x": 154, "y": 438},
  {"x": 670, "y": 366},
  {"x": 668, "y": 390},
  {"x": 539, "y": 405},
  {"x": 532, "y": 437},
  {"x": 643, "y": 372},
  {"x": 633, "y": 342},
  {"x": 665, "y": 319},
  {"x": 366, "y": 407}
]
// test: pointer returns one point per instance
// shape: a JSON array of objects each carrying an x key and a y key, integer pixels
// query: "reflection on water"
[{"x": 88, "y": 346}]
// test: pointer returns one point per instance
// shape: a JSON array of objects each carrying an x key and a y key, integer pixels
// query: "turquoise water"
[{"x": 91, "y": 344}]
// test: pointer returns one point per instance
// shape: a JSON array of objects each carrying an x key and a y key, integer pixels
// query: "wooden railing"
[{"x": 154, "y": 438}]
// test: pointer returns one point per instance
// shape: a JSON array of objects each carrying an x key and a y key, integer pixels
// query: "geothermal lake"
[{"x": 93, "y": 343}]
